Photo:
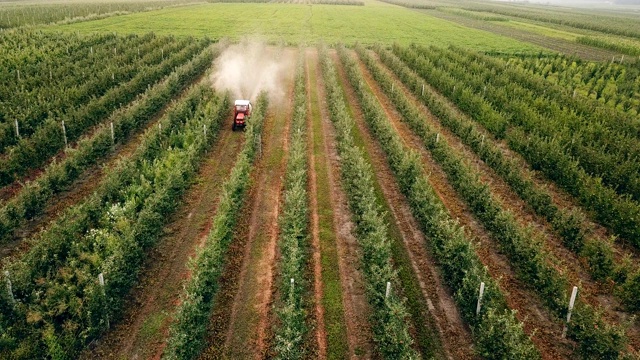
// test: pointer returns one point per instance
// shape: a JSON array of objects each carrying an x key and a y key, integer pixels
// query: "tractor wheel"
[{"x": 233, "y": 127}]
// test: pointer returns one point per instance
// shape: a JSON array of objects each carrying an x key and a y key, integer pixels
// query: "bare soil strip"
[
  {"x": 316, "y": 263},
  {"x": 141, "y": 333},
  {"x": 248, "y": 321},
  {"x": 82, "y": 187},
  {"x": 356, "y": 308},
  {"x": 593, "y": 292},
  {"x": 454, "y": 335},
  {"x": 530, "y": 310}
]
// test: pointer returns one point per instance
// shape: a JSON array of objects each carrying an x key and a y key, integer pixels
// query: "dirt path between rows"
[
  {"x": 143, "y": 330},
  {"x": 320, "y": 331},
  {"x": 248, "y": 315},
  {"x": 566, "y": 261},
  {"x": 356, "y": 308},
  {"x": 85, "y": 184},
  {"x": 454, "y": 334},
  {"x": 537, "y": 320}
]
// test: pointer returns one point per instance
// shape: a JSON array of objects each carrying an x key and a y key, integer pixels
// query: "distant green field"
[{"x": 294, "y": 24}]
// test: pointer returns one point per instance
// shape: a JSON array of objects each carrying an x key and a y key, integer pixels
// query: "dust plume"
[{"x": 250, "y": 67}]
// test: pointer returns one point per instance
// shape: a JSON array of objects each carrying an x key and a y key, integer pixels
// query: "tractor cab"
[{"x": 241, "y": 113}]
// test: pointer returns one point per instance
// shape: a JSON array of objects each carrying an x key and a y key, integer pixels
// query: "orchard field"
[{"x": 418, "y": 179}]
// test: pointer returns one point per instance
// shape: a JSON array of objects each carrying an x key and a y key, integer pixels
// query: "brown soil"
[
  {"x": 142, "y": 332},
  {"x": 537, "y": 320},
  {"x": 565, "y": 261},
  {"x": 454, "y": 334},
  {"x": 356, "y": 308},
  {"x": 248, "y": 321},
  {"x": 321, "y": 334}
]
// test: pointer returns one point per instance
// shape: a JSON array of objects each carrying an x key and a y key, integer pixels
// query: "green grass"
[
  {"x": 295, "y": 23},
  {"x": 335, "y": 324},
  {"x": 542, "y": 30}
]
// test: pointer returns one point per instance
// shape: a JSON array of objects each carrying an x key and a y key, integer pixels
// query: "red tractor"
[{"x": 241, "y": 113}]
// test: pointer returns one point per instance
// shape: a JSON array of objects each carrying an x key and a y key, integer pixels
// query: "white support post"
[
  {"x": 50, "y": 75},
  {"x": 17, "y": 128},
  {"x": 482, "y": 141},
  {"x": 101, "y": 281},
  {"x": 160, "y": 126},
  {"x": 392, "y": 87},
  {"x": 113, "y": 134},
  {"x": 437, "y": 137},
  {"x": 9, "y": 289},
  {"x": 115, "y": 51},
  {"x": 18, "y": 75},
  {"x": 292, "y": 284},
  {"x": 64, "y": 134},
  {"x": 91, "y": 50},
  {"x": 113, "y": 76},
  {"x": 138, "y": 52},
  {"x": 479, "y": 305},
  {"x": 572, "y": 302},
  {"x": 454, "y": 89},
  {"x": 386, "y": 295},
  {"x": 422, "y": 90},
  {"x": 204, "y": 129},
  {"x": 162, "y": 52}
]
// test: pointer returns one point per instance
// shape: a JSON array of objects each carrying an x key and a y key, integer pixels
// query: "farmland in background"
[{"x": 402, "y": 158}]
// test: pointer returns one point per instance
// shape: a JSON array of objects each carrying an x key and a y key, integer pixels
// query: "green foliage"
[
  {"x": 389, "y": 313},
  {"x": 630, "y": 291},
  {"x": 514, "y": 344},
  {"x": 610, "y": 44},
  {"x": 16, "y": 14},
  {"x": 568, "y": 224},
  {"x": 597, "y": 339},
  {"x": 462, "y": 268},
  {"x": 527, "y": 256},
  {"x": 47, "y": 138},
  {"x": 187, "y": 333},
  {"x": 60, "y": 306},
  {"x": 57, "y": 177}
]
